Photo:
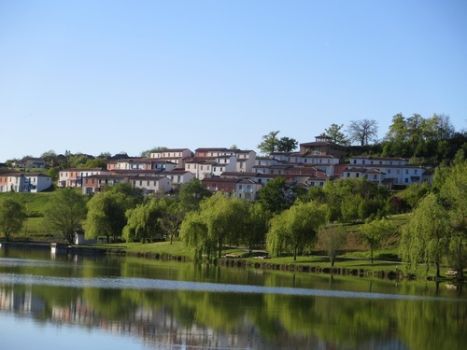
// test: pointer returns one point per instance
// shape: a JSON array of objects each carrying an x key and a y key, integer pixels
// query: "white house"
[
  {"x": 151, "y": 184},
  {"x": 179, "y": 177},
  {"x": 202, "y": 167},
  {"x": 173, "y": 155},
  {"x": 27, "y": 182},
  {"x": 395, "y": 171},
  {"x": 245, "y": 159}
]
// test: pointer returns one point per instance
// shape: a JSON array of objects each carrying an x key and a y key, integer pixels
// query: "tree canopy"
[
  {"x": 12, "y": 216},
  {"x": 65, "y": 212}
]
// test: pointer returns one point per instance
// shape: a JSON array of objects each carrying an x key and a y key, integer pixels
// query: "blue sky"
[{"x": 96, "y": 76}]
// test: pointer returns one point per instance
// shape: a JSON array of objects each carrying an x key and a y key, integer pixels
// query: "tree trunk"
[
  {"x": 332, "y": 261},
  {"x": 371, "y": 255},
  {"x": 295, "y": 253},
  {"x": 438, "y": 275}
]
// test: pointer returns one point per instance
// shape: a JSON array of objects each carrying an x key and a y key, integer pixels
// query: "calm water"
[{"x": 70, "y": 302}]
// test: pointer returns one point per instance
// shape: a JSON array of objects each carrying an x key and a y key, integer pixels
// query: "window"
[
  {"x": 355, "y": 161},
  {"x": 357, "y": 175}
]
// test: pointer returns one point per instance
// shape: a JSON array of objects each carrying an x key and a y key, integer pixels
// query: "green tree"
[
  {"x": 65, "y": 212},
  {"x": 106, "y": 212},
  {"x": 453, "y": 195},
  {"x": 12, "y": 217},
  {"x": 373, "y": 234},
  {"x": 194, "y": 233},
  {"x": 144, "y": 221},
  {"x": 425, "y": 238},
  {"x": 256, "y": 225},
  {"x": 286, "y": 144},
  {"x": 336, "y": 134},
  {"x": 191, "y": 194},
  {"x": 277, "y": 195},
  {"x": 220, "y": 220},
  {"x": 331, "y": 239},
  {"x": 270, "y": 143},
  {"x": 295, "y": 228}
]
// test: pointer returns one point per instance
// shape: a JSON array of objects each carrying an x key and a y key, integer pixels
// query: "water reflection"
[{"x": 206, "y": 319}]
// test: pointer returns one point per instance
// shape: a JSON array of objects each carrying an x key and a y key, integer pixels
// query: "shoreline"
[{"x": 241, "y": 263}]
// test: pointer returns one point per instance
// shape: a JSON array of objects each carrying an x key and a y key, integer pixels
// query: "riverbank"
[{"x": 352, "y": 264}]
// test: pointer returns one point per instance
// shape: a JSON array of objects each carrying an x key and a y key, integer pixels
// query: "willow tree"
[
  {"x": 426, "y": 236},
  {"x": 453, "y": 195},
  {"x": 295, "y": 228},
  {"x": 144, "y": 221},
  {"x": 220, "y": 220}
]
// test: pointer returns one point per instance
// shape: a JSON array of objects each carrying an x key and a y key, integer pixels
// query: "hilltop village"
[{"x": 234, "y": 172}]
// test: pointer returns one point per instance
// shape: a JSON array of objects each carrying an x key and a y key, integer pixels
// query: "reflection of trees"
[
  {"x": 426, "y": 325},
  {"x": 256, "y": 320},
  {"x": 262, "y": 320}
]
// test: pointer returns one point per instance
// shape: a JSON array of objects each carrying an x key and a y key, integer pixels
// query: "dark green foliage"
[
  {"x": 65, "y": 212},
  {"x": 12, "y": 216},
  {"x": 277, "y": 195},
  {"x": 352, "y": 200}
]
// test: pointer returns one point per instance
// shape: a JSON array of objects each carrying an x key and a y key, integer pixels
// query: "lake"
[{"x": 83, "y": 302}]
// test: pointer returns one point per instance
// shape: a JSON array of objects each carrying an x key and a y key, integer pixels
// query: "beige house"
[{"x": 173, "y": 155}]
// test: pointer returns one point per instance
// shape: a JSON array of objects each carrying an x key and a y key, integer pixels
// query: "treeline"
[{"x": 425, "y": 140}]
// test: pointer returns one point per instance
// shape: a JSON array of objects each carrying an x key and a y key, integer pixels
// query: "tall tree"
[
  {"x": 270, "y": 143},
  {"x": 453, "y": 195},
  {"x": 286, "y": 144},
  {"x": 144, "y": 221},
  {"x": 363, "y": 131},
  {"x": 254, "y": 232},
  {"x": 106, "y": 210},
  {"x": 426, "y": 236},
  {"x": 65, "y": 212},
  {"x": 336, "y": 134},
  {"x": 295, "y": 228},
  {"x": 331, "y": 239},
  {"x": 12, "y": 217},
  {"x": 374, "y": 232}
]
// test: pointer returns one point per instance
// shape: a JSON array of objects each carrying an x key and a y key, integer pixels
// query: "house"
[
  {"x": 381, "y": 161},
  {"x": 209, "y": 166},
  {"x": 244, "y": 188},
  {"x": 96, "y": 183},
  {"x": 24, "y": 182},
  {"x": 394, "y": 171},
  {"x": 151, "y": 184},
  {"x": 73, "y": 177},
  {"x": 372, "y": 175},
  {"x": 173, "y": 155},
  {"x": 179, "y": 177},
  {"x": 323, "y": 145},
  {"x": 245, "y": 159}
]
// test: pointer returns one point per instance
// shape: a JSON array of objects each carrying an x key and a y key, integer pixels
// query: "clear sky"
[{"x": 95, "y": 76}]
